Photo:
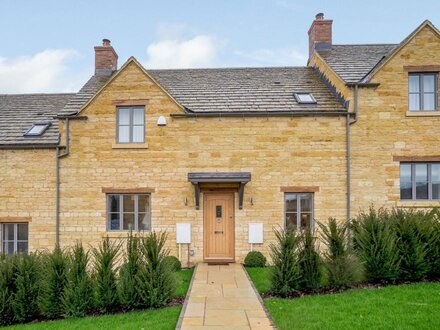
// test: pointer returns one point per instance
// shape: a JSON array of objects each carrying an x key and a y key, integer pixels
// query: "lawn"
[
  {"x": 413, "y": 306},
  {"x": 161, "y": 319}
]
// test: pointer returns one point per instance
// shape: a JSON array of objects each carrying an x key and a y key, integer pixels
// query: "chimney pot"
[
  {"x": 320, "y": 34},
  {"x": 106, "y": 59}
]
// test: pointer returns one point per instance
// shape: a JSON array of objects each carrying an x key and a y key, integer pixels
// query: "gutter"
[
  {"x": 260, "y": 114},
  {"x": 60, "y": 155}
]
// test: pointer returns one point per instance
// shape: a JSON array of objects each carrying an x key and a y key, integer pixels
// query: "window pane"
[
  {"x": 128, "y": 203},
  {"x": 138, "y": 116},
  {"x": 436, "y": 190},
  {"x": 138, "y": 134},
  {"x": 114, "y": 203},
  {"x": 306, "y": 220},
  {"x": 128, "y": 222},
  {"x": 8, "y": 231},
  {"x": 291, "y": 221},
  {"x": 22, "y": 234},
  {"x": 414, "y": 102},
  {"x": 8, "y": 247},
  {"x": 435, "y": 172},
  {"x": 124, "y": 116},
  {"x": 306, "y": 202},
  {"x": 114, "y": 221},
  {"x": 421, "y": 181},
  {"x": 144, "y": 221},
  {"x": 144, "y": 203},
  {"x": 405, "y": 181},
  {"x": 429, "y": 101},
  {"x": 414, "y": 83},
  {"x": 124, "y": 134},
  {"x": 290, "y": 202},
  {"x": 429, "y": 83},
  {"x": 22, "y": 247}
]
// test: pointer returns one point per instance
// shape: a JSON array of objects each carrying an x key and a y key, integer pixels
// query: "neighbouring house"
[{"x": 221, "y": 150}]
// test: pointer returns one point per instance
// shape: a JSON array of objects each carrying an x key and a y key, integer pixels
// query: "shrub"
[
  {"x": 174, "y": 262},
  {"x": 78, "y": 293},
  {"x": 429, "y": 229},
  {"x": 285, "y": 272},
  {"x": 27, "y": 288},
  {"x": 106, "y": 294},
  {"x": 412, "y": 249},
  {"x": 53, "y": 283},
  {"x": 255, "y": 259},
  {"x": 376, "y": 245},
  {"x": 342, "y": 267},
  {"x": 7, "y": 288},
  {"x": 128, "y": 273},
  {"x": 156, "y": 282},
  {"x": 309, "y": 262}
]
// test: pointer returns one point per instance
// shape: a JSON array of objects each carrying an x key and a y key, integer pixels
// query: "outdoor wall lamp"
[{"x": 161, "y": 121}]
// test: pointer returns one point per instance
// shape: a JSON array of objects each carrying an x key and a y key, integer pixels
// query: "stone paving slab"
[{"x": 222, "y": 297}]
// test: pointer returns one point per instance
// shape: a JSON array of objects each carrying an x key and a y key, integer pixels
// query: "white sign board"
[
  {"x": 183, "y": 233},
  {"x": 255, "y": 233}
]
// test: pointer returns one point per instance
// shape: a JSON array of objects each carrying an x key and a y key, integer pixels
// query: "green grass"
[
  {"x": 161, "y": 319},
  {"x": 183, "y": 278},
  {"x": 261, "y": 278},
  {"x": 414, "y": 306}
]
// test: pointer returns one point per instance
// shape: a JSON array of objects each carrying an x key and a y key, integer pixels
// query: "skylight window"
[
  {"x": 304, "y": 98},
  {"x": 37, "y": 129}
]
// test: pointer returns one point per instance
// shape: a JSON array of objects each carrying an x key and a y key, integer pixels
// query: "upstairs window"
[
  {"x": 420, "y": 181},
  {"x": 298, "y": 210},
  {"x": 130, "y": 125},
  {"x": 304, "y": 98},
  {"x": 37, "y": 129},
  {"x": 422, "y": 89}
]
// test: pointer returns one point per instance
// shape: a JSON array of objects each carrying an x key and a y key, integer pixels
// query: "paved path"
[{"x": 222, "y": 297}]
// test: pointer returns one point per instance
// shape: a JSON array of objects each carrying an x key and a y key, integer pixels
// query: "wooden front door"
[{"x": 219, "y": 226}]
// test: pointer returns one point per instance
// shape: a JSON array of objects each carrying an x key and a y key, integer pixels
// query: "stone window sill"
[
  {"x": 130, "y": 146},
  {"x": 417, "y": 204},
  {"x": 423, "y": 113},
  {"x": 123, "y": 234}
]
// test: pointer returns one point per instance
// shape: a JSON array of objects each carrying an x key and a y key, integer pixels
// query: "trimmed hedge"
[{"x": 255, "y": 259}]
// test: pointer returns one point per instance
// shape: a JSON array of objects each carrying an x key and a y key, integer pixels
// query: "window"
[
  {"x": 422, "y": 90},
  {"x": 128, "y": 212},
  {"x": 37, "y": 129},
  {"x": 130, "y": 125},
  {"x": 304, "y": 98},
  {"x": 420, "y": 181},
  {"x": 299, "y": 210},
  {"x": 14, "y": 237}
]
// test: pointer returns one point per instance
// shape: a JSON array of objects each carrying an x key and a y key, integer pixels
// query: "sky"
[{"x": 47, "y": 45}]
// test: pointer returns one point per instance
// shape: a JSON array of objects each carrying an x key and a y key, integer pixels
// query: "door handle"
[{"x": 218, "y": 231}]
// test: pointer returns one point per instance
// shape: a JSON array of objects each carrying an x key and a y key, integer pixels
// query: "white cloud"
[
  {"x": 174, "y": 50},
  {"x": 273, "y": 57},
  {"x": 47, "y": 71}
]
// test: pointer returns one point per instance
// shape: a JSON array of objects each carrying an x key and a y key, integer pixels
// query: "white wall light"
[{"x": 161, "y": 121}]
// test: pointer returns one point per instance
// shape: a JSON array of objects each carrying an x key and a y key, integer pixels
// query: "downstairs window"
[
  {"x": 420, "y": 181},
  {"x": 128, "y": 212},
  {"x": 298, "y": 210},
  {"x": 15, "y": 238}
]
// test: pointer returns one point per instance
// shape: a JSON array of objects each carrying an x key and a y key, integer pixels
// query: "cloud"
[
  {"x": 46, "y": 71},
  {"x": 174, "y": 50},
  {"x": 273, "y": 57}
]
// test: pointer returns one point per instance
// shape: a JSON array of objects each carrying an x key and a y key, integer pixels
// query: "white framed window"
[
  {"x": 298, "y": 208},
  {"x": 130, "y": 124},
  {"x": 422, "y": 91},
  {"x": 15, "y": 238},
  {"x": 37, "y": 129},
  {"x": 128, "y": 212},
  {"x": 420, "y": 181},
  {"x": 304, "y": 98}
]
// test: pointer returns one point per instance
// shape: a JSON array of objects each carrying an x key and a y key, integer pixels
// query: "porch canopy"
[{"x": 219, "y": 177}]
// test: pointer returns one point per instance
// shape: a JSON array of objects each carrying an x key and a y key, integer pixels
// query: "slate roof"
[
  {"x": 93, "y": 85},
  {"x": 18, "y": 112},
  {"x": 354, "y": 62},
  {"x": 246, "y": 89}
]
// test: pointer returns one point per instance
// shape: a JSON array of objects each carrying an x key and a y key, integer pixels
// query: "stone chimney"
[
  {"x": 320, "y": 34},
  {"x": 106, "y": 59}
]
